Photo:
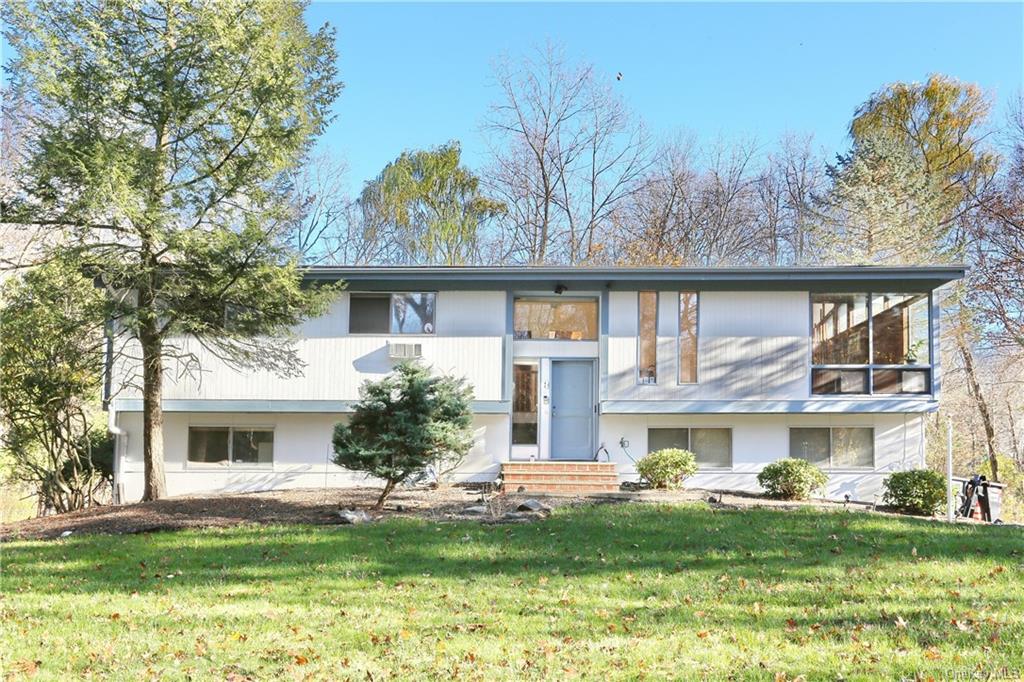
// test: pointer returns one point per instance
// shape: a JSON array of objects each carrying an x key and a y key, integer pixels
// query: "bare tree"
[
  {"x": 566, "y": 154},
  {"x": 318, "y": 230}
]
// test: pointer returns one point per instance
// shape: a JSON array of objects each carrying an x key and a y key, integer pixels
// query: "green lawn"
[{"x": 623, "y": 591}]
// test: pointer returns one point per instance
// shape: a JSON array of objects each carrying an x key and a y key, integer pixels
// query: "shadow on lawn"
[{"x": 764, "y": 545}]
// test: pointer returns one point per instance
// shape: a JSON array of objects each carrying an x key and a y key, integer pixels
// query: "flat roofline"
[{"x": 923, "y": 277}]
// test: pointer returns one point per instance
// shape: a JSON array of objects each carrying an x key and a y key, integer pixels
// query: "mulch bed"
[{"x": 306, "y": 506}]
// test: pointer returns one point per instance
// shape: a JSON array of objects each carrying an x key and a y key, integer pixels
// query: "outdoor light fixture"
[{"x": 560, "y": 289}]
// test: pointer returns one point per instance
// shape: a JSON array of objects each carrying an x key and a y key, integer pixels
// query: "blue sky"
[{"x": 419, "y": 75}]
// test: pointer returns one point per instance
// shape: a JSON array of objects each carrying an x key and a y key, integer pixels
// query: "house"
[{"x": 589, "y": 368}]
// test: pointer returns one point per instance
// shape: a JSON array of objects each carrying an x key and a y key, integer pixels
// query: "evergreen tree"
[
  {"x": 404, "y": 423},
  {"x": 160, "y": 137}
]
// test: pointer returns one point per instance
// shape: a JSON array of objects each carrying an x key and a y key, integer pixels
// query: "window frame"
[
  {"x": 231, "y": 464},
  {"x": 558, "y": 299},
  {"x": 679, "y": 338},
  {"x": 390, "y": 295},
  {"x": 639, "y": 344},
  {"x": 870, "y": 367},
  {"x": 831, "y": 448},
  {"x": 689, "y": 440}
]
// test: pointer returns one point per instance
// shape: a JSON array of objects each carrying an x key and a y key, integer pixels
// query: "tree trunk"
[
  {"x": 152, "y": 412},
  {"x": 388, "y": 487},
  {"x": 974, "y": 389}
]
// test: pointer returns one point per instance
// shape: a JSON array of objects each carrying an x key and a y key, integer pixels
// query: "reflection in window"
[
  {"x": 648, "y": 326},
  {"x": 250, "y": 446},
  {"x": 688, "y": 337},
  {"x": 888, "y": 381},
  {"x": 206, "y": 444},
  {"x": 812, "y": 445},
  {"x": 840, "y": 329},
  {"x": 712, "y": 448},
  {"x": 562, "y": 319},
  {"x": 524, "y": 404},
  {"x": 412, "y": 313},
  {"x": 835, "y": 447},
  {"x": 668, "y": 438},
  {"x": 838, "y": 381},
  {"x": 900, "y": 329}
]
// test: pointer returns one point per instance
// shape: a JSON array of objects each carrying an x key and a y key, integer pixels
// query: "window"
[
  {"x": 835, "y": 447},
  {"x": 561, "y": 319},
  {"x": 661, "y": 439},
  {"x": 688, "y": 337},
  {"x": 712, "y": 447},
  {"x": 524, "y": 404},
  {"x": 406, "y": 313},
  {"x": 648, "y": 337},
  {"x": 870, "y": 344},
  {"x": 230, "y": 445},
  {"x": 899, "y": 324},
  {"x": 412, "y": 313},
  {"x": 368, "y": 313}
]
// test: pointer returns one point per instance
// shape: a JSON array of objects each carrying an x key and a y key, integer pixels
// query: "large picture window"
[
  {"x": 688, "y": 301},
  {"x": 556, "y": 319},
  {"x": 711, "y": 446},
  {"x": 835, "y": 447},
  {"x": 865, "y": 344},
  {"x": 399, "y": 313},
  {"x": 229, "y": 445}
]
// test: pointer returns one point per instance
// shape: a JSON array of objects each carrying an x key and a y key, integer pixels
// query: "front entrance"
[
  {"x": 553, "y": 409},
  {"x": 572, "y": 409}
]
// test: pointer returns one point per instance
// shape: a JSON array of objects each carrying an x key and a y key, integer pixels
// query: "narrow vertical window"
[
  {"x": 688, "y": 337},
  {"x": 648, "y": 335}
]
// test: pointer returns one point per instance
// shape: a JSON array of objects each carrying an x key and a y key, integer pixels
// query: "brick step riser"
[
  {"x": 536, "y": 466},
  {"x": 511, "y": 479},
  {"x": 563, "y": 488}
]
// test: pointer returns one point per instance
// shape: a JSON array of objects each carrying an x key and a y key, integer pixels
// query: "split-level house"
[{"x": 579, "y": 372}]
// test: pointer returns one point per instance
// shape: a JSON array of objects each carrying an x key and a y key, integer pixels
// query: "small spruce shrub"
[
  {"x": 791, "y": 479},
  {"x": 667, "y": 468},
  {"x": 918, "y": 491}
]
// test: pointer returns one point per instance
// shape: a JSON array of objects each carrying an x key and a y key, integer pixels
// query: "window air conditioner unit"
[{"x": 405, "y": 351}]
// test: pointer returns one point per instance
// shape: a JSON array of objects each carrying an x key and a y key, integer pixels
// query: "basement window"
[
  {"x": 228, "y": 445},
  {"x": 711, "y": 446},
  {"x": 835, "y": 447}
]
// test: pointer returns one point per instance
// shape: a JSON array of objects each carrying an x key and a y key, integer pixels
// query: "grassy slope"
[{"x": 616, "y": 591}]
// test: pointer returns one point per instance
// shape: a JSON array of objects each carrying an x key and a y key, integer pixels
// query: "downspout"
[{"x": 108, "y": 405}]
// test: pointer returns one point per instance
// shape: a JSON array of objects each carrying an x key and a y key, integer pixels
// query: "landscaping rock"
[
  {"x": 476, "y": 509},
  {"x": 354, "y": 516},
  {"x": 520, "y": 517},
  {"x": 532, "y": 505}
]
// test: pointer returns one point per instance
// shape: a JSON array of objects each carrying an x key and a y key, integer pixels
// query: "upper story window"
[
  {"x": 647, "y": 324},
  {"x": 559, "y": 319},
  {"x": 870, "y": 344},
  {"x": 688, "y": 302},
  {"x": 404, "y": 313}
]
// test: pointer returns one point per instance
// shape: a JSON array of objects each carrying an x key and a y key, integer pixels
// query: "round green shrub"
[
  {"x": 791, "y": 479},
  {"x": 918, "y": 491},
  {"x": 667, "y": 468}
]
